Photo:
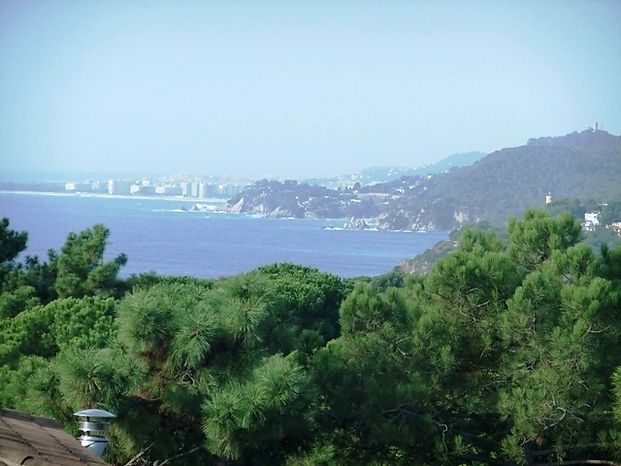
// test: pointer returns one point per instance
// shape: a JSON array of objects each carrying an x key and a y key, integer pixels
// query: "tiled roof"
[{"x": 32, "y": 440}]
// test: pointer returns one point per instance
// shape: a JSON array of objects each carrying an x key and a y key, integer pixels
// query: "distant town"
[
  {"x": 171, "y": 186},
  {"x": 193, "y": 186},
  {"x": 196, "y": 188}
]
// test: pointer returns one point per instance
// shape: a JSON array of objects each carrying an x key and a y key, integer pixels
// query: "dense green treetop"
[
  {"x": 11, "y": 241},
  {"x": 81, "y": 269},
  {"x": 504, "y": 353}
]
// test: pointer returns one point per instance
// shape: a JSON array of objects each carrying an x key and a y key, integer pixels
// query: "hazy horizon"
[
  {"x": 299, "y": 90},
  {"x": 35, "y": 176}
]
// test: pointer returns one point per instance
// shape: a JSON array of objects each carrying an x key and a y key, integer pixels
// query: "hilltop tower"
[{"x": 549, "y": 198}]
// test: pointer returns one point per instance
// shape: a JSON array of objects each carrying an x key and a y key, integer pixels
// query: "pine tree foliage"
[
  {"x": 505, "y": 353},
  {"x": 11, "y": 242},
  {"x": 81, "y": 268},
  {"x": 533, "y": 239},
  {"x": 93, "y": 377},
  {"x": 248, "y": 417}
]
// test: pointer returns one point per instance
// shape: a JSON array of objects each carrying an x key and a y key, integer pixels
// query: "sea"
[{"x": 174, "y": 237}]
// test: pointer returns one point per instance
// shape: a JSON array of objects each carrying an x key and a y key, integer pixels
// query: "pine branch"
[
  {"x": 180, "y": 455},
  {"x": 139, "y": 455}
]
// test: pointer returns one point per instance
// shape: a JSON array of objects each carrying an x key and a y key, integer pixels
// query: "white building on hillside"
[{"x": 591, "y": 221}]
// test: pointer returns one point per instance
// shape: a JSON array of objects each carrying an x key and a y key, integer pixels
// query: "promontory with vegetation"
[
  {"x": 505, "y": 353},
  {"x": 584, "y": 165}
]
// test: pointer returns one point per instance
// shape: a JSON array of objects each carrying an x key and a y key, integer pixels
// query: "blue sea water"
[{"x": 159, "y": 235}]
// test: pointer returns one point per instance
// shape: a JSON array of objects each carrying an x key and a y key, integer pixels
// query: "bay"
[{"x": 165, "y": 236}]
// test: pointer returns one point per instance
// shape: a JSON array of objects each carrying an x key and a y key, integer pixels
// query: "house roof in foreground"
[{"x": 35, "y": 441}]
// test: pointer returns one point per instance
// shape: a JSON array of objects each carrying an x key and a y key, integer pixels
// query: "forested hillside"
[
  {"x": 505, "y": 353},
  {"x": 585, "y": 165}
]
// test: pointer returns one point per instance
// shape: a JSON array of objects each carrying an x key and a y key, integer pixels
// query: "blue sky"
[{"x": 296, "y": 88}]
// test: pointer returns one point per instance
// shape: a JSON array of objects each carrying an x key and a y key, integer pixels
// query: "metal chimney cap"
[{"x": 102, "y": 413}]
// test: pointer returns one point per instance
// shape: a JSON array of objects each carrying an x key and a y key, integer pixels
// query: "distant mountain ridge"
[
  {"x": 385, "y": 174},
  {"x": 583, "y": 165}
]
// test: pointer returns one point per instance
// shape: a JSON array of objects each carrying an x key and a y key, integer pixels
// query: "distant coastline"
[
  {"x": 161, "y": 237},
  {"x": 219, "y": 200}
]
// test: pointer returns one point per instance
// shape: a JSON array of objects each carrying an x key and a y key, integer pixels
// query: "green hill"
[{"x": 584, "y": 165}]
